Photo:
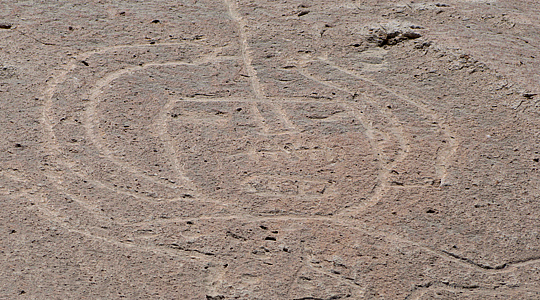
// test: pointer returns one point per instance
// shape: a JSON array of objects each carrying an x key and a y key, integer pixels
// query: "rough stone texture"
[{"x": 269, "y": 149}]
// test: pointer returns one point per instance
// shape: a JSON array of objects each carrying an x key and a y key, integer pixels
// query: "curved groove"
[
  {"x": 54, "y": 147},
  {"x": 443, "y": 160},
  {"x": 91, "y": 110},
  {"x": 353, "y": 224},
  {"x": 173, "y": 155},
  {"x": 523, "y": 262},
  {"x": 153, "y": 249},
  {"x": 384, "y": 169}
]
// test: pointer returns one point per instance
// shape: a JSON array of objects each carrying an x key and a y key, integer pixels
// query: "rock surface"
[{"x": 261, "y": 149}]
